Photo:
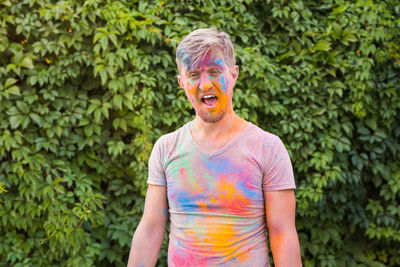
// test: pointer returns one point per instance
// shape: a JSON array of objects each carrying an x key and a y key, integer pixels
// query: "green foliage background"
[{"x": 86, "y": 88}]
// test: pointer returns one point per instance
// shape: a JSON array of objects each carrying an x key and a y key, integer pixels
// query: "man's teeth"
[{"x": 204, "y": 98}]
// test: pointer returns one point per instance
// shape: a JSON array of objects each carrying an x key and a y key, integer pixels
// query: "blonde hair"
[{"x": 202, "y": 43}]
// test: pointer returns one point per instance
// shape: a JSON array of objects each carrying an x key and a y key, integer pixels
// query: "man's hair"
[{"x": 201, "y": 43}]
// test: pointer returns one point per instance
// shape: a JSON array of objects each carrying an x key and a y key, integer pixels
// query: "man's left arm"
[{"x": 280, "y": 213}]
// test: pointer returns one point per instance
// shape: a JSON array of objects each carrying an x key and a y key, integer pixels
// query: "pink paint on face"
[{"x": 209, "y": 88}]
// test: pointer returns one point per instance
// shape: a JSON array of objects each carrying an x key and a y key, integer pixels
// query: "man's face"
[{"x": 209, "y": 87}]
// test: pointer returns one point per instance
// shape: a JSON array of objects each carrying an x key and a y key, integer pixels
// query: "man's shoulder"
[
  {"x": 260, "y": 135},
  {"x": 173, "y": 137}
]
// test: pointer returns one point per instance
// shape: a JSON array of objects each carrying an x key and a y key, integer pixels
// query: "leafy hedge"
[{"x": 86, "y": 87}]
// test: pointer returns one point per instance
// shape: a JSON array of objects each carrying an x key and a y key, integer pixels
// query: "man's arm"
[
  {"x": 280, "y": 212},
  {"x": 149, "y": 234}
]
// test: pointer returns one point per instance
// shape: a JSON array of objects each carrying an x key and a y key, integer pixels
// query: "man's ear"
[
  {"x": 235, "y": 72},
  {"x": 180, "y": 81}
]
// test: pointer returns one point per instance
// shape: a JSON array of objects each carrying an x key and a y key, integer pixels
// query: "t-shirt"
[{"x": 216, "y": 200}]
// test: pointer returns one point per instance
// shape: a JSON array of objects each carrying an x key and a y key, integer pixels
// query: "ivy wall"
[{"x": 87, "y": 87}]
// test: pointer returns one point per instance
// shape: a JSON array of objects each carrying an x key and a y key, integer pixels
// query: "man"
[{"x": 221, "y": 178}]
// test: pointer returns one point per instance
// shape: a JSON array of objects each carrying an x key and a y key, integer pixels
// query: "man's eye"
[
  {"x": 193, "y": 75},
  {"x": 215, "y": 72}
]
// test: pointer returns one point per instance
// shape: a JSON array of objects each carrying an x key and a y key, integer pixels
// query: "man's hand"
[
  {"x": 149, "y": 234},
  {"x": 280, "y": 212}
]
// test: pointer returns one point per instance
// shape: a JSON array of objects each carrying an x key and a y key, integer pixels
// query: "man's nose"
[{"x": 205, "y": 83}]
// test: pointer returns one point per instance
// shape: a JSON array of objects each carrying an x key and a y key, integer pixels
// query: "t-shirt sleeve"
[
  {"x": 156, "y": 166},
  {"x": 278, "y": 172}
]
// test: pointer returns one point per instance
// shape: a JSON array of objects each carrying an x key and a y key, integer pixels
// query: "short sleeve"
[
  {"x": 156, "y": 166},
  {"x": 278, "y": 172}
]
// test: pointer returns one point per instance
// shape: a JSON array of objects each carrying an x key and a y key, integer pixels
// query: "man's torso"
[{"x": 216, "y": 200}]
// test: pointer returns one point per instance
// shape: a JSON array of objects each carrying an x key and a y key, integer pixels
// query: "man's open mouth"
[{"x": 209, "y": 100}]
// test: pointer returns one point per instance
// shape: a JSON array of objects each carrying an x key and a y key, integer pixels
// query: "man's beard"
[{"x": 210, "y": 117}]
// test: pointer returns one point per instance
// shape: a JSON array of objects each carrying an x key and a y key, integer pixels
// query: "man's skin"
[{"x": 211, "y": 132}]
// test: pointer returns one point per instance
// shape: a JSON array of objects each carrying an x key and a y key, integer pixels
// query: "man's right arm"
[{"x": 149, "y": 234}]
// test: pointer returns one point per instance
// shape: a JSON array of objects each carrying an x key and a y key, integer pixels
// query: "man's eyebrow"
[
  {"x": 191, "y": 71},
  {"x": 216, "y": 65}
]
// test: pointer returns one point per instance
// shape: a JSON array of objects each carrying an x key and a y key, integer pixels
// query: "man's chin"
[{"x": 211, "y": 118}]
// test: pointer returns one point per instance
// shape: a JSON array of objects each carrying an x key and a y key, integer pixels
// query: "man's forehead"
[{"x": 216, "y": 61}]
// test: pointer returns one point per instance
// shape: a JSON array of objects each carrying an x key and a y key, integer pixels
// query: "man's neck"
[{"x": 209, "y": 134}]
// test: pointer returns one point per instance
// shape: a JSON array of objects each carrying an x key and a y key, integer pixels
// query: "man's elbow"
[
  {"x": 282, "y": 233},
  {"x": 153, "y": 228}
]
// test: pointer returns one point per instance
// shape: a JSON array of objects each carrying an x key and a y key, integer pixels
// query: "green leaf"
[
  {"x": 118, "y": 101},
  {"x": 23, "y": 106},
  {"x": 105, "y": 111},
  {"x": 97, "y": 36},
  {"x": 123, "y": 125},
  {"x": 97, "y": 116},
  {"x": 13, "y": 67},
  {"x": 113, "y": 38},
  {"x": 104, "y": 42},
  {"x": 9, "y": 82},
  {"x": 363, "y": 131},
  {"x": 98, "y": 68},
  {"x": 14, "y": 90},
  {"x": 339, "y": 10},
  {"x": 88, "y": 130},
  {"x": 91, "y": 108},
  {"x": 25, "y": 121},
  {"x": 322, "y": 45},
  {"x": 36, "y": 118},
  {"x": 324, "y": 236},
  {"x": 95, "y": 101},
  {"x": 371, "y": 123},
  {"x": 103, "y": 76},
  {"x": 15, "y": 121},
  {"x": 27, "y": 63},
  {"x": 116, "y": 123},
  {"x": 83, "y": 122}
]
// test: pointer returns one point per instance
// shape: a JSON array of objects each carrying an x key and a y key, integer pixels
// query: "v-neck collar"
[{"x": 222, "y": 149}]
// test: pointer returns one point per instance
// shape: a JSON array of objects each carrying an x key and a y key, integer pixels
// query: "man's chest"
[{"x": 229, "y": 183}]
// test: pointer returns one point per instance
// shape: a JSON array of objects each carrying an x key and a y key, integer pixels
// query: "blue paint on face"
[
  {"x": 220, "y": 62},
  {"x": 222, "y": 78},
  {"x": 184, "y": 57},
  {"x": 224, "y": 85}
]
